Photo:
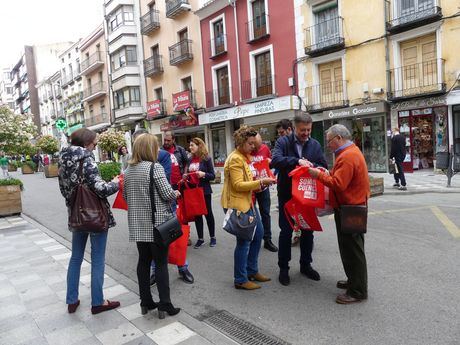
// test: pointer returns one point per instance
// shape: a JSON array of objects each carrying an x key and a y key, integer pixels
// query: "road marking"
[{"x": 448, "y": 224}]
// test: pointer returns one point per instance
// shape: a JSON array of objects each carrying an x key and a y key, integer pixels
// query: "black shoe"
[
  {"x": 153, "y": 281},
  {"x": 342, "y": 284},
  {"x": 268, "y": 244},
  {"x": 186, "y": 276},
  {"x": 145, "y": 308},
  {"x": 167, "y": 308},
  {"x": 309, "y": 272},
  {"x": 284, "y": 277}
]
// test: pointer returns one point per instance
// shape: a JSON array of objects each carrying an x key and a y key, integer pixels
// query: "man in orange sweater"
[{"x": 349, "y": 185}]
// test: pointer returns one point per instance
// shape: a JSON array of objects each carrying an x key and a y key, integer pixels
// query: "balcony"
[
  {"x": 50, "y": 95},
  {"x": 258, "y": 28},
  {"x": 327, "y": 96},
  {"x": 92, "y": 63},
  {"x": 58, "y": 92},
  {"x": 325, "y": 37},
  {"x": 219, "y": 98},
  {"x": 412, "y": 17},
  {"x": 98, "y": 119},
  {"x": 67, "y": 79},
  {"x": 259, "y": 88},
  {"x": 94, "y": 91},
  {"x": 176, "y": 7},
  {"x": 218, "y": 46},
  {"x": 180, "y": 52},
  {"x": 153, "y": 66},
  {"x": 150, "y": 22},
  {"x": 420, "y": 79}
]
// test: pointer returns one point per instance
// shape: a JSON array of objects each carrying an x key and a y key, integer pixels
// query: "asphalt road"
[{"x": 412, "y": 245}]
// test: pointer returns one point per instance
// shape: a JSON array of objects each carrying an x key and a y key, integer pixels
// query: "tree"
[
  {"x": 111, "y": 140},
  {"x": 15, "y": 130},
  {"x": 48, "y": 144}
]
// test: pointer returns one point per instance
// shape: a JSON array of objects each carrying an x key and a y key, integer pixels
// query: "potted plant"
[
  {"x": 49, "y": 145},
  {"x": 10, "y": 196},
  {"x": 111, "y": 140},
  {"x": 109, "y": 170},
  {"x": 12, "y": 166},
  {"x": 28, "y": 150}
]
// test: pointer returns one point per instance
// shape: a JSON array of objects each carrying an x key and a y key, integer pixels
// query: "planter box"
[
  {"x": 218, "y": 178},
  {"x": 10, "y": 200},
  {"x": 51, "y": 170},
  {"x": 26, "y": 169},
  {"x": 376, "y": 184},
  {"x": 12, "y": 168}
]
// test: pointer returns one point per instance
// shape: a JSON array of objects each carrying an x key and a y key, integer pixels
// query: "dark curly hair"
[{"x": 242, "y": 134}]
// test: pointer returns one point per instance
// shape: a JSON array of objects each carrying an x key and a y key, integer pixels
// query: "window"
[
  {"x": 263, "y": 82},
  {"x": 327, "y": 24},
  {"x": 91, "y": 111},
  {"x": 155, "y": 51},
  {"x": 102, "y": 106},
  {"x": 187, "y": 84},
  {"x": 126, "y": 56},
  {"x": 259, "y": 19},
  {"x": 129, "y": 96},
  {"x": 331, "y": 84},
  {"x": 408, "y": 7},
  {"x": 131, "y": 55},
  {"x": 122, "y": 16},
  {"x": 223, "y": 90},
  {"x": 219, "y": 38},
  {"x": 158, "y": 93}
]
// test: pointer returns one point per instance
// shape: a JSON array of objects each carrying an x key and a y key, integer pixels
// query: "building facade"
[
  {"x": 248, "y": 49},
  {"x": 173, "y": 67},
  {"x": 49, "y": 95},
  {"x": 6, "y": 89},
  {"x": 94, "y": 71}
]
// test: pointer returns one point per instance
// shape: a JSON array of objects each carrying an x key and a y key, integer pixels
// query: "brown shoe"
[
  {"x": 72, "y": 308},
  {"x": 258, "y": 277},
  {"x": 247, "y": 286},
  {"x": 105, "y": 307},
  {"x": 346, "y": 299},
  {"x": 342, "y": 284}
]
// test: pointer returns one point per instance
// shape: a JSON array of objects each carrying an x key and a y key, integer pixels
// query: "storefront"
[
  {"x": 369, "y": 129},
  {"x": 424, "y": 123}
]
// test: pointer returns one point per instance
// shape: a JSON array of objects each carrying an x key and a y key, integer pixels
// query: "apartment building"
[
  {"x": 126, "y": 76},
  {"x": 248, "y": 49},
  {"x": 49, "y": 95},
  {"x": 173, "y": 67},
  {"x": 6, "y": 89},
  {"x": 94, "y": 71}
]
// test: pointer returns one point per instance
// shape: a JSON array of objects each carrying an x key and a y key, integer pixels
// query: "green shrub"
[
  {"x": 11, "y": 182},
  {"x": 30, "y": 164},
  {"x": 48, "y": 144},
  {"x": 109, "y": 170},
  {"x": 14, "y": 164}
]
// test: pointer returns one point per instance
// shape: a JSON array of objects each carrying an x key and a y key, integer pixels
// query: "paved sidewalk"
[{"x": 32, "y": 300}]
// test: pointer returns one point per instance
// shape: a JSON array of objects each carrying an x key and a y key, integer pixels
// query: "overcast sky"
[{"x": 31, "y": 22}]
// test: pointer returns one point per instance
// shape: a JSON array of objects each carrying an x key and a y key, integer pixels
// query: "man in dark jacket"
[
  {"x": 291, "y": 151},
  {"x": 398, "y": 153},
  {"x": 179, "y": 158}
]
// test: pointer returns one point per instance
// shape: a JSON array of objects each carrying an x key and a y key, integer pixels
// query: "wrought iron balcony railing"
[
  {"x": 94, "y": 90},
  {"x": 153, "y": 66},
  {"x": 97, "y": 119},
  {"x": 150, "y": 22},
  {"x": 258, "y": 87},
  {"x": 419, "y": 14},
  {"x": 418, "y": 79},
  {"x": 325, "y": 37},
  {"x": 176, "y": 7},
  {"x": 218, "y": 46},
  {"x": 218, "y": 97},
  {"x": 91, "y": 63},
  {"x": 327, "y": 96},
  {"x": 180, "y": 52}
]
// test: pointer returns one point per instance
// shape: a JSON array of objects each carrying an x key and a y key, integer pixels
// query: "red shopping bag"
[
  {"x": 193, "y": 203},
  {"x": 306, "y": 190},
  {"x": 120, "y": 202},
  {"x": 177, "y": 253},
  {"x": 301, "y": 217},
  {"x": 181, "y": 214},
  {"x": 263, "y": 169}
]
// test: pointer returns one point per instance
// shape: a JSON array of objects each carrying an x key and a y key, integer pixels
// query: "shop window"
[
  {"x": 456, "y": 118},
  {"x": 219, "y": 147}
]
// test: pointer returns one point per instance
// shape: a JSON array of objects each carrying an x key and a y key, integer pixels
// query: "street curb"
[
  {"x": 393, "y": 191},
  {"x": 199, "y": 327}
]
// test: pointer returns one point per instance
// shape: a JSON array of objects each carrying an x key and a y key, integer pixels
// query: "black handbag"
[
  {"x": 240, "y": 224},
  {"x": 168, "y": 231},
  {"x": 353, "y": 219}
]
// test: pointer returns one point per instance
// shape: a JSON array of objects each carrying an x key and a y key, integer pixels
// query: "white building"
[{"x": 6, "y": 89}]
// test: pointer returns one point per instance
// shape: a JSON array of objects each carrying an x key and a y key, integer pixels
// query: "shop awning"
[{"x": 72, "y": 129}]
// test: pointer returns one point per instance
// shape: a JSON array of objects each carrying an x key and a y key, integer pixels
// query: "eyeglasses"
[{"x": 329, "y": 141}]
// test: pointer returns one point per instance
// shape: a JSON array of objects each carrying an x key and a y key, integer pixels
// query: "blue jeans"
[
  {"x": 263, "y": 200},
  {"x": 98, "y": 244},
  {"x": 247, "y": 254}
]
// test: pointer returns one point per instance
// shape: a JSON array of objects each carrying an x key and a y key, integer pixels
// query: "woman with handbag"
[
  {"x": 149, "y": 206},
  {"x": 239, "y": 185},
  {"x": 78, "y": 167},
  {"x": 201, "y": 171}
]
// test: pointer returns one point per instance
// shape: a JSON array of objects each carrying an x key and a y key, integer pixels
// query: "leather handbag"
[
  {"x": 168, "y": 231},
  {"x": 353, "y": 219},
  {"x": 240, "y": 224},
  {"x": 88, "y": 212}
]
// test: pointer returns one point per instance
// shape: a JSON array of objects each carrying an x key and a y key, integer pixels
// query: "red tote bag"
[
  {"x": 177, "y": 252},
  {"x": 194, "y": 204},
  {"x": 120, "y": 202},
  {"x": 263, "y": 169},
  {"x": 306, "y": 190},
  {"x": 301, "y": 217}
]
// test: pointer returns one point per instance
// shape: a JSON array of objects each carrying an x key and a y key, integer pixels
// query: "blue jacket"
[
  {"x": 165, "y": 160},
  {"x": 285, "y": 158},
  {"x": 207, "y": 167}
]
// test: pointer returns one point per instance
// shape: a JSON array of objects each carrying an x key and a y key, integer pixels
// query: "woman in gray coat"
[{"x": 137, "y": 194}]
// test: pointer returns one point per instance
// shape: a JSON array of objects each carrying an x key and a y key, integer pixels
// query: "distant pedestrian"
[
  {"x": 349, "y": 183},
  {"x": 398, "y": 153},
  {"x": 142, "y": 220},
  {"x": 239, "y": 184},
  {"x": 80, "y": 153},
  {"x": 4, "y": 165},
  {"x": 201, "y": 164},
  {"x": 124, "y": 156},
  {"x": 46, "y": 160}
]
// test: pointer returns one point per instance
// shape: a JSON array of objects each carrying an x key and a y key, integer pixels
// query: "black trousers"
[
  {"x": 351, "y": 247},
  {"x": 209, "y": 219},
  {"x": 399, "y": 177},
  {"x": 149, "y": 251}
]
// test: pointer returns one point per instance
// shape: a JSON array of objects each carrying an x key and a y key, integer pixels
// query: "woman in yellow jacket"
[{"x": 239, "y": 184}]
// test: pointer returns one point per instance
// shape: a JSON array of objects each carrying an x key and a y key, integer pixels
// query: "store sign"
[
  {"x": 181, "y": 100},
  {"x": 252, "y": 109},
  {"x": 360, "y": 110},
  {"x": 153, "y": 109},
  {"x": 419, "y": 103},
  {"x": 177, "y": 122}
]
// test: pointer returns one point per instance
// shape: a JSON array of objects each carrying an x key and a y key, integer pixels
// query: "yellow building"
[
  {"x": 173, "y": 67},
  {"x": 387, "y": 66}
]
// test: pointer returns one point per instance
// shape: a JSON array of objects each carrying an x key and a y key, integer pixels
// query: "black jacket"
[
  {"x": 285, "y": 158},
  {"x": 398, "y": 148},
  {"x": 181, "y": 156}
]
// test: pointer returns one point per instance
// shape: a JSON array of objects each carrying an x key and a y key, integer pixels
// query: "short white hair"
[{"x": 339, "y": 130}]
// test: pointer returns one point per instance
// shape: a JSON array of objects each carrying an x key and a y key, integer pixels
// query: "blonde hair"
[
  {"x": 202, "y": 152},
  {"x": 242, "y": 134},
  {"x": 145, "y": 148}
]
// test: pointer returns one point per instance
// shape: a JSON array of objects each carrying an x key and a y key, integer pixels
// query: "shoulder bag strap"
[{"x": 152, "y": 201}]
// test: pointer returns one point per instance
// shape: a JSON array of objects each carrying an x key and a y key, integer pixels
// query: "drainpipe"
[
  {"x": 386, "y": 10},
  {"x": 233, "y": 4}
]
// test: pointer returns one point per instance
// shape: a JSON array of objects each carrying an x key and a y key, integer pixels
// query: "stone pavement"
[{"x": 33, "y": 268}]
